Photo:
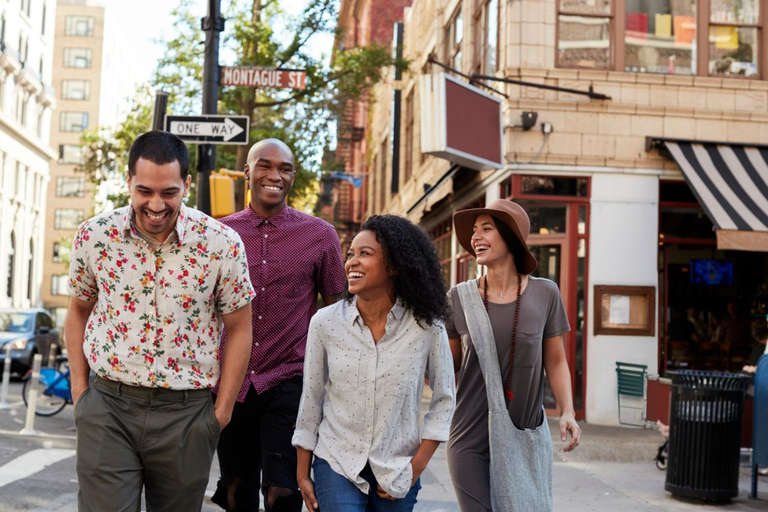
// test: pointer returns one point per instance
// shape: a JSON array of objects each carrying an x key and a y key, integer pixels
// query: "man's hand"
[
  {"x": 77, "y": 392},
  {"x": 224, "y": 417},
  {"x": 568, "y": 424},
  {"x": 307, "y": 488}
]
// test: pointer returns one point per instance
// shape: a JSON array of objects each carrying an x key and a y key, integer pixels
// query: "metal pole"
[
  {"x": 158, "y": 115},
  {"x": 52, "y": 355},
  {"x": 6, "y": 378},
  {"x": 206, "y": 154},
  {"x": 29, "y": 426}
]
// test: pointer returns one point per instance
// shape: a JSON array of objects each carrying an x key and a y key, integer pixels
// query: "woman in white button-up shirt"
[{"x": 364, "y": 373}]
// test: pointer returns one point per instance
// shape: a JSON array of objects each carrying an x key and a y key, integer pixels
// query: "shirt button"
[
  {"x": 259, "y": 317},
  {"x": 257, "y": 343},
  {"x": 264, "y": 262},
  {"x": 266, "y": 236},
  {"x": 253, "y": 372},
  {"x": 262, "y": 289}
]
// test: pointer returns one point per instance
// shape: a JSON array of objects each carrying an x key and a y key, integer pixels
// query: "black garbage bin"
[{"x": 705, "y": 434}]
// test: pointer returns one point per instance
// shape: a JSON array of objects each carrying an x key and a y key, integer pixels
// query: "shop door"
[{"x": 551, "y": 253}]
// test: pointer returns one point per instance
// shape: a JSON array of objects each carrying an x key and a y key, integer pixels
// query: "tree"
[{"x": 304, "y": 119}]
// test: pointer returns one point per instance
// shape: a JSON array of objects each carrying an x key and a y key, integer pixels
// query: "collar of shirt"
[
  {"x": 125, "y": 223},
  {"x": 282, "y": 216},
  {"x": 355, "y": 318}
]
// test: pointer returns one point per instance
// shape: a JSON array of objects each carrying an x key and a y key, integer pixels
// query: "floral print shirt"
[{"x": 156, "y": 319}]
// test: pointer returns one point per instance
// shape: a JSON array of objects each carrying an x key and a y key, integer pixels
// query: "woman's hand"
[
  {"x": 568, "y": 424},
  {"x": 307, "y": 487},
  {"x": 381, "y": 493}
]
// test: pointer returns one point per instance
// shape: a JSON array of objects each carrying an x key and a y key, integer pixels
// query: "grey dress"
[{"x": 542, "y": 316}]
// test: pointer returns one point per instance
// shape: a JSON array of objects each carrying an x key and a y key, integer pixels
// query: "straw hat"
[{"x": 511, "y": 214}]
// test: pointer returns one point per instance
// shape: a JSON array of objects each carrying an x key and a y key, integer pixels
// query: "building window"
[
  {"x": 77, "y": 57},
  {"x": 487, "y": 37},
  {"x": 70, "y": 186},
  {"x": 75, "y": 89},
  {"x": 73, "y": 121},
  {"x": 59, "y": 284},
  {"x": 584, "y": 33},
  {"x": 18, "y": 188},
  {"x": 441, "y": 237},
  {"x": 26, "y": 6},
  {"x": 734, "y": 37},
  {"x": 67, "y": 218},
  {"x": 45, "y": 14},
  {"x": 60, "y": 252},
  {"x": 663, "y": 36},
  {"x": 11, "y": 266},
  {"x": 454, "y": 33},
  {"x": 79, "y": 26},
  {"x": 71, "y": 154},
  {"x": 409, "y": 136},
  {"x": 383, "y": 154},
  {"x": 30, "y": 269}
]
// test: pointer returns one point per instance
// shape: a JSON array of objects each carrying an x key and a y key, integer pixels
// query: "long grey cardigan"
[{"x": 521, "y": 460}]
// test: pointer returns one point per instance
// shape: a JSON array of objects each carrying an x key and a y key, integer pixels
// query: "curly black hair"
[{"x": 411, "y": 256}]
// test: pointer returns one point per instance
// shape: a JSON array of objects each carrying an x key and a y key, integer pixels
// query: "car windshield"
[{"x": 15, "y": 322}]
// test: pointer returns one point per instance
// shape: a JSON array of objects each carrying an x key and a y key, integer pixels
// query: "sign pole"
[{"x": 206, "y": 154}]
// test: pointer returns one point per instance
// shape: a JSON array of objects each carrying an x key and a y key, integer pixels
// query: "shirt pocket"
[
  {"x": 343, "y": 368},
  {"x": 528, "y": 350},
  {"x": 400, "y": 372}
]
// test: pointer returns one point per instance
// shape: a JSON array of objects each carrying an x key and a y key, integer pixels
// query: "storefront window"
[
  {"x": 660, "y": 37},
  {"x": 733, "y": 50},
  {"x": 585, "y": 42},
  {"x": 685, "y": 223},
  {"x": 550, "y": 186},
  {"x": 545, "y": 219}
]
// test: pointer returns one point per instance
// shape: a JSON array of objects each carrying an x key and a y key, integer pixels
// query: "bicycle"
[{"x": 54, "y": 390}]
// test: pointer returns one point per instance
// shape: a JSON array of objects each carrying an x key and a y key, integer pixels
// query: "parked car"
[{"x": 30, "y": 332}]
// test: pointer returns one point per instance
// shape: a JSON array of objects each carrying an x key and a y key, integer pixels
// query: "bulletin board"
[{"x": 625, "y": 310}]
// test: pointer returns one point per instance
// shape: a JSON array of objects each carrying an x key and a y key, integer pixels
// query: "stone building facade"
[{"x": 609, "y": 205}]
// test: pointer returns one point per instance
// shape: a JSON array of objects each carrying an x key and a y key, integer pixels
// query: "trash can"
[{"x": 705, "y": 434}]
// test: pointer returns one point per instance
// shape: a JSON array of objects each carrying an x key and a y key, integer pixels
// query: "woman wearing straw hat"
[{"x": 505, "y": 331}]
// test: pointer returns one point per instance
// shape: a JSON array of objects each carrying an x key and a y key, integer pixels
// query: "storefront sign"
[
  {"x": 460, "y": 122},
  {"x": 248, "y": 76}
]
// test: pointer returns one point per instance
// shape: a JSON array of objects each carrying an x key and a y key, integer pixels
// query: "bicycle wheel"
[{"x": 46, "y": 404}]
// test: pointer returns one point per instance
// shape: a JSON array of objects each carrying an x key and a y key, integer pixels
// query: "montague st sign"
[{"x": 249, "y": 76}]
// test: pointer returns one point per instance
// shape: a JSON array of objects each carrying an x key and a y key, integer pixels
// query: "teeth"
[
  {"x": 155, "y": 217},
  {"x": 481, "y": 248},
  {"x": 276, "y": 189},
  {"x": 355, "y": 275}
]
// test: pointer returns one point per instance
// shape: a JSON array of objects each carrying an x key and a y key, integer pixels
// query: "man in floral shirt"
[{"x": 150, "y": 286}]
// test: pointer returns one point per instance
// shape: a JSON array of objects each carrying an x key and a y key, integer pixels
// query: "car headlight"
[{"x": 19, "y": 344}]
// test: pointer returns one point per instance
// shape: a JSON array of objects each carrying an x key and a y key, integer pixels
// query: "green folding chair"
[{"x": 631, "y": 385}]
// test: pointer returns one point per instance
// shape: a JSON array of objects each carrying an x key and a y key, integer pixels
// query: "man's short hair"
[{"x": 159, "y": 148}]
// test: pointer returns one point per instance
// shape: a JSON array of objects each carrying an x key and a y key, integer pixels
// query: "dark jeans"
[
  {"x": 132, "y": 437},
  {"x": 255, "y": 448},
  {"x": 337, "y": 494}
]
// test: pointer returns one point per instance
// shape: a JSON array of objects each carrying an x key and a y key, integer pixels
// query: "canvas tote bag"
[{"x": 521, "y": 460}]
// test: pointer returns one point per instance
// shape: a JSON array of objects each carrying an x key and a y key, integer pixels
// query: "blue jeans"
[{"x": 337, "y": 494}]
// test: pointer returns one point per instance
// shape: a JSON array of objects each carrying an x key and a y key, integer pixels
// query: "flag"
[{"x": 356, "y": 182}]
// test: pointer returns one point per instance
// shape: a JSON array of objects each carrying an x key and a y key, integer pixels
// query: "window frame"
[
  {"x": 57, "y": 220},
  {"x": 480, "y": 26},
  {"x": 60, "y": 180},
  {"x": 617, "y": 44},
  {"x": 68, "y": 51},
  {"x": 62, "y": 124},
  {"x": 71, "y": 31},
  {"x": 86, "y": 89},
  {"x": 409, "y": 133},
  {"x": 451, "y": 47}
]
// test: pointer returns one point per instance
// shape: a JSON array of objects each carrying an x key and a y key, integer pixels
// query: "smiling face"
[
  {"x": 366, "y": 267},
  {"x": 157, "y": 193},
  {"x": 487, "y": 242},
  {"x": 270, "y": 173}
]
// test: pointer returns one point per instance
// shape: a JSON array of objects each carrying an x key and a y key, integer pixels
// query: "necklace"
[{"x": 508, "y": 384}]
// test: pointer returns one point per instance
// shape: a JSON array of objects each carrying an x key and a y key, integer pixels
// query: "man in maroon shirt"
[{"x": 291, "y": 258}]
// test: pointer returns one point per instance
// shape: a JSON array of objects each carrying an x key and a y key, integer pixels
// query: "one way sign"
[{"x": 209, "y": 129}]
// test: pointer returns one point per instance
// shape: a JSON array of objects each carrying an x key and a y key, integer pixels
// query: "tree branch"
[
  {"x": 303, "y": 92},
  {"x": 297, "y": 43}
]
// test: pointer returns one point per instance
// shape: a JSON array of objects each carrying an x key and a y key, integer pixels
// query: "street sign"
[
  {"x": 249, "y": 76},
  {"x": 209, "y": 129}
]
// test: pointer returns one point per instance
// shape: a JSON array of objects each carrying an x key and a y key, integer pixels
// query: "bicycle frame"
[{"x": 56, "y": 383}]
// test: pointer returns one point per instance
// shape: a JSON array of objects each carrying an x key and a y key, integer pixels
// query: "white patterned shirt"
[
  {"x": 361, "y": 400},
  {"x": 156, "y": 321}
]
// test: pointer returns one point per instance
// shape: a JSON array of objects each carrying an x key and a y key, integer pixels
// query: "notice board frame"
[{"x": 642, "y": 297}]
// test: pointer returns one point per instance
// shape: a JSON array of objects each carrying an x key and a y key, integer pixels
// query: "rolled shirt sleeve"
[
  {"x": 311, "y": 404},
  {"x": 82, "y": 282},
  {"x": 437, "y": 421},
  {"x": 234, "y": 289}
]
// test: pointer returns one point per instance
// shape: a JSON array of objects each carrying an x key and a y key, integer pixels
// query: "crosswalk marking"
[{"x": 31, "y": 463}]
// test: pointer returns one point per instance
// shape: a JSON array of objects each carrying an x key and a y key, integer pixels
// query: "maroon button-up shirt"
[{"x": 292, "y": 257}]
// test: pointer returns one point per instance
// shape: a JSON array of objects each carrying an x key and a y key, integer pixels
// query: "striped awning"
[{"x": 731, "y": 184}]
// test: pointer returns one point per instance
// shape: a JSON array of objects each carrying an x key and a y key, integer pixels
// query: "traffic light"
[{"x": 228, "y": 192}]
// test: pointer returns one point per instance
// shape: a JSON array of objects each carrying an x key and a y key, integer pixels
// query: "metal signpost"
[{"x": 209, "y": 129}]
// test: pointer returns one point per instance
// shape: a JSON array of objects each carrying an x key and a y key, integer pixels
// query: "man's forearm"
[
  {"x": 237, "y": 354},
  {"x": 74, "y": 334}
]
